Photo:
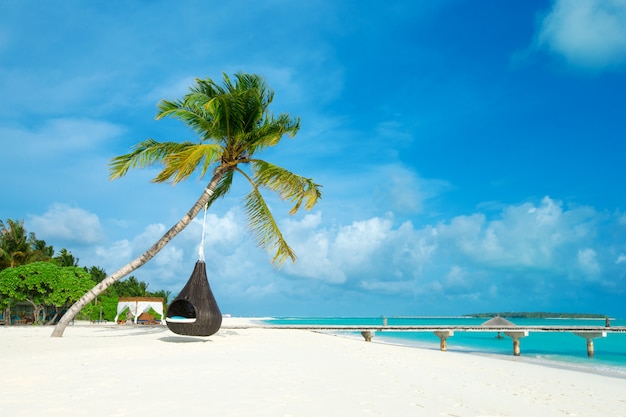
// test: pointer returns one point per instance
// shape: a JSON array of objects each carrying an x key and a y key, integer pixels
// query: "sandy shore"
[{"x": 106, "y": 370}]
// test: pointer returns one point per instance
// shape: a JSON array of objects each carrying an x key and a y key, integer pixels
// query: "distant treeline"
[
  {"x": 31, "y": 274},
  {"x": 537, "y": 315}
]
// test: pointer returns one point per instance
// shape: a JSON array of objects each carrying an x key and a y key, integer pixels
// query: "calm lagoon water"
[{"x": 549, "y": 349}]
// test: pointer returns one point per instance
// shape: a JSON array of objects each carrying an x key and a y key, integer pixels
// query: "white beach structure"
[{"x": 139, "y": 305}]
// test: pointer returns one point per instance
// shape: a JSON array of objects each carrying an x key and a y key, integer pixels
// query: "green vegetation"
[
  {"x": 30, "y": 274},
  {"x": 18, "y": 247},
  {"x": 536, "y": 315},
  {"x": 42, "y": 285}
]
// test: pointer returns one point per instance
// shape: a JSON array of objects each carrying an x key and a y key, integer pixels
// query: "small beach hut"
[
  {"x": 139, "y": 305},
  {"x": 498, "y": 321}
]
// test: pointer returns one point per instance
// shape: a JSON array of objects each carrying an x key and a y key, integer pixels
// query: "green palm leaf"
[
  {"x": 265, "y": 229},
  {"x": 180, "y": 165},
  {"x": 291, "y": 187},
  {"x": 193, "y": 116},
  {"x": 223, "y": 187},
  {"x": 144, "y": 154}
]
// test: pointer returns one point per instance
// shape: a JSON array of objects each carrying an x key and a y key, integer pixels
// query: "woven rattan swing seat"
[{"x": 194, "y": 312}]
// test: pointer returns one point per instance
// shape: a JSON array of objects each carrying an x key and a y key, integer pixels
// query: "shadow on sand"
[{"x": 183, "y": 339}]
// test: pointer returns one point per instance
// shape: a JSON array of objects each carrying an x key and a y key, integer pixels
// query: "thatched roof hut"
[{"x": 498, "y": 322}]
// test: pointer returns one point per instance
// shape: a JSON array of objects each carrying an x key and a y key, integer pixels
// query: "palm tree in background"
[
  {"x": 65, "y": 258},
  {"x": 132, "y": 287},
  {"x": 233, "y": 126},
  {"x": 15, "y": 244},
  {"x": 42, "y": 251},
  {"x": 17, "y": 247},
  {"x": 165, "y": 295}
]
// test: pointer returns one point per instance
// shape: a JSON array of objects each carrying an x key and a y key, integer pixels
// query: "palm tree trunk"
[{"x": 141, "y": 260}]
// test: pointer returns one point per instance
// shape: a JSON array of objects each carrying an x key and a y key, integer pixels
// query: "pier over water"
[{"x": 516, "y": 333}]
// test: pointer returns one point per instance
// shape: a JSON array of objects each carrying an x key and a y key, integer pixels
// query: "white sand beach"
[{"x": 108, "y": 370}]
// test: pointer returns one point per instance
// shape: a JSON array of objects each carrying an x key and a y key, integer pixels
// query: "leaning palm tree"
[{"x": 233, "y": 126}]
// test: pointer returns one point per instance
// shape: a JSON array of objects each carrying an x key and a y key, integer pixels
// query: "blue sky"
[{"x": 471, "y": 153}]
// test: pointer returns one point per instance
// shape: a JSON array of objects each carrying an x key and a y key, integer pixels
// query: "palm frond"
[
  {"x": 186, "y": 111},
  {"x": 223, "y": 111},
  {"x": 207, "y": 87},
  {"x": 144, "y": 154},
  {"x": 180, "y": 165},
  {"x": 271, "y": 131},
  {"x": 258, "y": 83},
  {"x": 223, "y": 187},
  {"x": 265, "y": 229},
  {"x": 289, "y": 186}
]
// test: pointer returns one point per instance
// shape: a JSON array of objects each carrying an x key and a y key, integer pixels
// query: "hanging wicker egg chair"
[{"x": 194, "y": 312}]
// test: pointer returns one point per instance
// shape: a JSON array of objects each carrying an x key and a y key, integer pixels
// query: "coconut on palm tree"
[{"x": 234, "y": 126}]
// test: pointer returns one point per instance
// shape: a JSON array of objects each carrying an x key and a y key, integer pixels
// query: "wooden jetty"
[{"x": 444, "y": 332}]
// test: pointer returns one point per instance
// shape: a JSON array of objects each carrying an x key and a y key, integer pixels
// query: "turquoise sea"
[{"x": 549, "y": 349}]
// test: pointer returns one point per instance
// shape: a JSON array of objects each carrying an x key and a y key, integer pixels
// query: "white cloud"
[
  {"x": 59, "y": 137},
  {"x": 468, "y": 255},
  {"x": 395, "y": 131},
  {"x": 369, "y": 253},
  {"x": 389, "y": 287},
  {"x": 222, "y": 230},
  {"x": 586, "y": 33},
  {"x": 151, "y": 234},
  {"x": 357, "y": 242},
  {"x": 526, "y": 248},
  {"x": 225, "y": 247},
  {"x": 403, "y": 190},
  {"x": 120, "y": 250},
  {"x": 70, "y": 225},
  {"x": 524, "y": 235},
  {"x": 313, "y": 248},
  {"x": 171, "y": 89},
  {"x": 587, "y": 261},
  {"x": 54, "y": 90},
  {"x": 167, "y": 267},
  {"x": 456, "y": 277},
  {"x": 259, "y": 291},
  {"x": 328, "y": 254}
]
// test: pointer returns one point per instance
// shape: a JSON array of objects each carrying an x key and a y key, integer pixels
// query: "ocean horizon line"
[{"x": 436, "y": 316}]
